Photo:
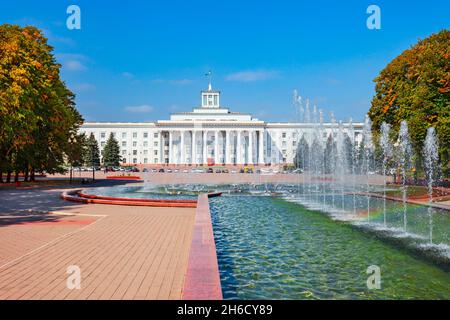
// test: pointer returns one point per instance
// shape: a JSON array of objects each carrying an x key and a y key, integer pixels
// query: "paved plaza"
[{"x": 122, "y": 252}]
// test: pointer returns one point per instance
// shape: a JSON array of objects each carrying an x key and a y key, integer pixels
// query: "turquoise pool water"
[{"x": 269, "y": 248}]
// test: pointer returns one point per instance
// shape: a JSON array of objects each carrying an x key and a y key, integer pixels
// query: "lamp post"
[
  {"x": 72, "y": 141},
  {"x": 93, "y": 162}
]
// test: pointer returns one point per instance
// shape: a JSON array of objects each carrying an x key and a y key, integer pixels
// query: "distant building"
[{"x": 209, "y": 134}]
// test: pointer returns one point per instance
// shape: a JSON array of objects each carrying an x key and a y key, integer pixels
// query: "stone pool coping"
[
  {"x": 77, "y": 196},
  {"x": 202, "y": 279}
]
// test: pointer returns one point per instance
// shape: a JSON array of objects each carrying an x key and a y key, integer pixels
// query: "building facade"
[{"x": 210, "y": 134}]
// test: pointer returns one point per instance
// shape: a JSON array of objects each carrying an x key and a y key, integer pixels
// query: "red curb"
[
  {"x": 92, "y": 196},
  {"x": 202, "y": 280},
  {"x": 123, "y": 178},
  {"x": 167, "y": 203}
]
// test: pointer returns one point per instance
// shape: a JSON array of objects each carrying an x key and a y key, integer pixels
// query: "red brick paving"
[{"x": 124, "y": 253}]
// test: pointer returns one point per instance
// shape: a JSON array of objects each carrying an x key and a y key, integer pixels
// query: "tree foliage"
[
  {"x": 415, "y": 87},
  {"x": 111, "y": 152},
  {"x": 92, "y": 153},
  {"x": 37, "y": 111}
]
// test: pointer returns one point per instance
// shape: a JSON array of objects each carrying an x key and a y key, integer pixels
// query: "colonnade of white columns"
[{"x": 237, "y": 147}]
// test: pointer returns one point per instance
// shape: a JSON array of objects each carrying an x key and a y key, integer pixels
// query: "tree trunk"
[
  {"x": 32, "y": 177},
  {"x": 26, "y": 175},
  {"x": 16, "y": 176},
  {"x": 8, "y": 177},
  {"x": 1, "y": 176}
]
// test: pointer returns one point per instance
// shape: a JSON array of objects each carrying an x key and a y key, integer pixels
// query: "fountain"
[
  {"x": 405, "y": 164},
  {"x": 431, "y": 163},
  {"x": 367, "y": 153},
  {"x": 387, "y": 153}
]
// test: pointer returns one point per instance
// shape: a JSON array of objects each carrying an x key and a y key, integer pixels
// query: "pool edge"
[{"x": 202, "y": 279}]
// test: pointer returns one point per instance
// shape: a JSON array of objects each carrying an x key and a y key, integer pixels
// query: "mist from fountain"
[
  {"x": 431, "y": 163},
  {"x": 367, "y": 154},
  {"x": 341, "y": 168},
  {"x": 386, "y": 147},
  {"x": 405, "y": 154}
]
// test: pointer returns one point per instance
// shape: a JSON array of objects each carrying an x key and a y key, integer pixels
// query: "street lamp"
[
  {"x": 93, "y": 162},
  {"x": 72, "y": 141}
]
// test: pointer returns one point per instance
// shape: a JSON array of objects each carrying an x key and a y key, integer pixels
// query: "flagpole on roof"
[{"x": 209, "y": 75}]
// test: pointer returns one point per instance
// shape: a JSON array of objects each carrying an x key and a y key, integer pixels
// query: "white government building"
[{"x": 210, "y": 134}]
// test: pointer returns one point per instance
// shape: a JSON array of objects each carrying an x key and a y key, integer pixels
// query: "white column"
[
  {"x": 216, "y": 147},
  {"x": 160, "y": 147},
  {"x": 250, "y": 147},
  {"x": 182, "y": 155},
  {"x": 261, "y": 147},
  {"x": 239, "y": 148},
  {"x": 193, "y": 149},
  {"x": 170, "y": 148},
  {"x": 205, "y": 154},
  {"x": 227, "y": 147}
]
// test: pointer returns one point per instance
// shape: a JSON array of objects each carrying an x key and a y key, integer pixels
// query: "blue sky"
[{"x": 142, "y": 60}]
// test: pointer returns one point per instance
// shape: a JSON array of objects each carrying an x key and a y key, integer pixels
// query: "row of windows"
[
  {"x": 124, "y": 144},
  {"x": 156, "y": 160},
  {"x": 135, "y": 152},
  {"x": 124, "y": 135}
]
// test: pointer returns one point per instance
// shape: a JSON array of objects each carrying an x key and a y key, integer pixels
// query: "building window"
[
  {"x": 215, "y": 101},
  {"x": 102, "y": 135},
  {"x": 155, "y": 144},
  {"x": 155, "y": 152},
  {"x": 294, "y": 143},
  {"x": 134, "y": 160},
  {"x": 145, "y": 143},
  {"x": 283, "y": 144},
  {"x": 124, "y": 152},
  {"x": 145, "y": 135},
  {"x": 156, "y": 160},
  {"x": 124, "y": 135},
  {"x": 134, "y": 135},
  {"x": 124, "y": 143},
  {"x": 283, "y": 135},
  {"x": 145, "y": 151},
  {"x": 102, "y": 143},
  {"x": 134, "y": 143},
  {"x": 155, "y": 135},
  {"x": 134, "y": 152},
  {"x": 145, "y": 160}
]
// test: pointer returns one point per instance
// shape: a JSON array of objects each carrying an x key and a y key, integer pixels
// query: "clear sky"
[{"x": 142, "y": 60}]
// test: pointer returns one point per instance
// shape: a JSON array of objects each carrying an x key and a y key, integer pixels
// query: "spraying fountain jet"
[
  {"x": 431, "y": 163},
  {"x": 387, "y": 154},
  {"x": 368, "y": 151},
  {"x": 405, "y": 164}
]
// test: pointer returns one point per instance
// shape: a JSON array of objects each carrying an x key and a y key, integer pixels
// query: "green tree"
[
  {"x": 111, "y": 152},
  {"x": 77, "y": 149},
  {"x": 37, "y": 111},
  {"x": 302, "y": 154},
  {"x": 415, "y": 87},
  {"x": 92, "y": 154},
  {"x": 330, "y": 153}
]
